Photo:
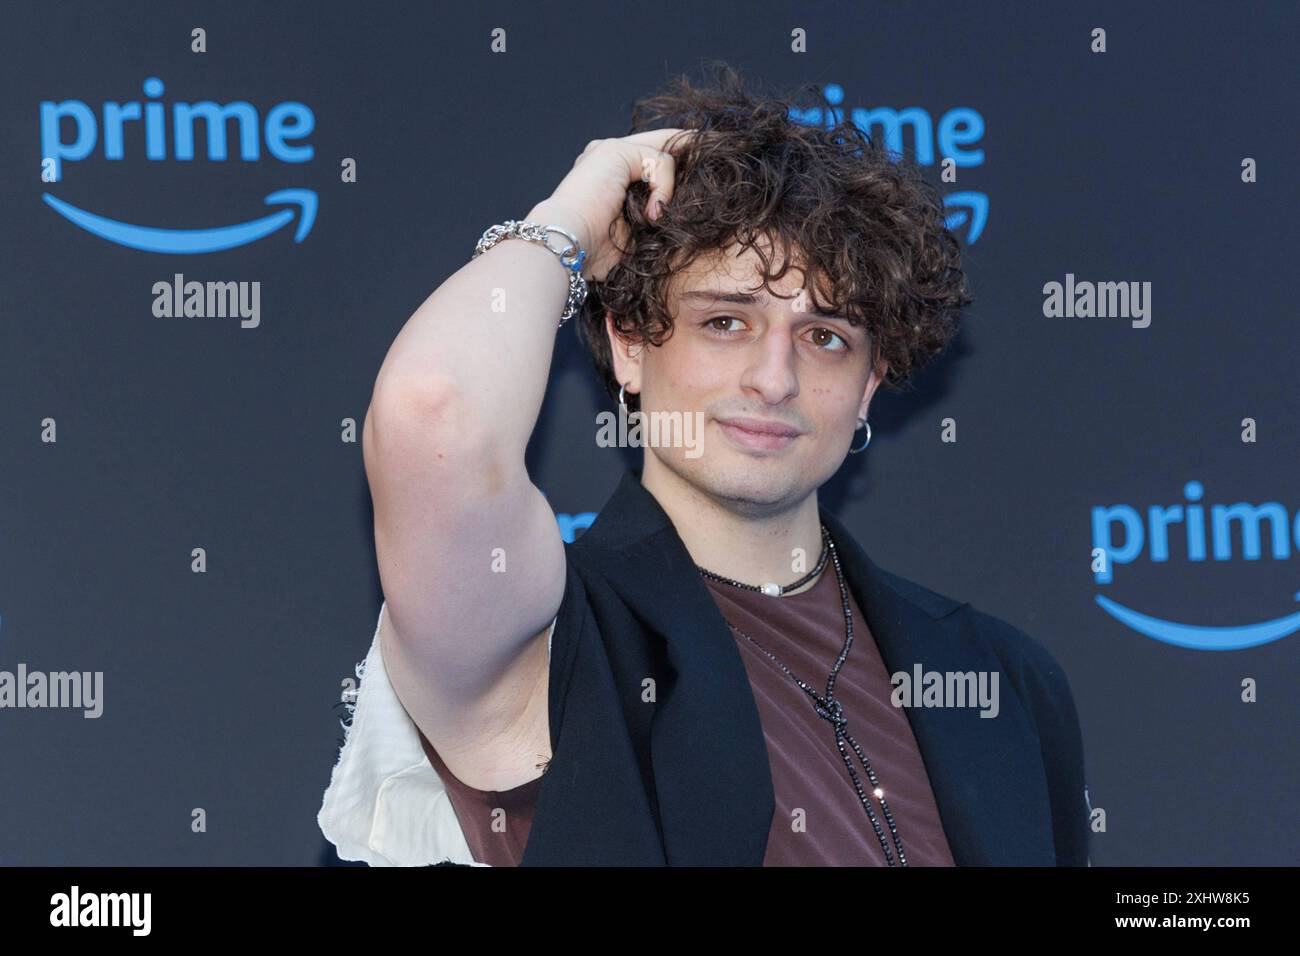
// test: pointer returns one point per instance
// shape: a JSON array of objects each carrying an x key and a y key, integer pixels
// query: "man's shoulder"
[
  {"x": 1015, "y": 648},
  {"x": 1033, "y": 670},
  {"x": 932, "y": 602},
  {"x": 1018, "y": 649}
]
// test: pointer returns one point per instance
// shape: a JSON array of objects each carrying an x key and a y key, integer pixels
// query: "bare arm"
[
  {"x": 470, "y": 556},
  {"x": 449, "y": 486},
  {"x": 497, "y": 362}
]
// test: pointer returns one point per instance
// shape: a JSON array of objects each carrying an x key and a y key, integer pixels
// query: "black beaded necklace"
[
  {"x": 771, "y": 588},
  {"x": 828, "y": 707}
]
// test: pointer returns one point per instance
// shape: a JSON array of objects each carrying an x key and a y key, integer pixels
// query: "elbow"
[
  {"x": 431, "y": 397},
  {"x": 423, "y": 416},
  {"x": 424, "y": 429}
]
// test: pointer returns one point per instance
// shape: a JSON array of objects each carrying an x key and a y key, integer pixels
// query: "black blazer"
[{"x": 684, "y": 780}]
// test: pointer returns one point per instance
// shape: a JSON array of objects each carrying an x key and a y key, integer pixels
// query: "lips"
[{"x": 754, "y": 433}]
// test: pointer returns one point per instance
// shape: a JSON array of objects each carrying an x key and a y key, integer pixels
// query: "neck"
[{"x": 735, "y": 540}]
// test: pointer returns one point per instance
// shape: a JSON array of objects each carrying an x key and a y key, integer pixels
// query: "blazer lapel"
[{"x": 709, "y": 756}]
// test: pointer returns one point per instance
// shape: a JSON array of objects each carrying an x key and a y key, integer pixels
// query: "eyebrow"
[{"x": 746, "y": 298}]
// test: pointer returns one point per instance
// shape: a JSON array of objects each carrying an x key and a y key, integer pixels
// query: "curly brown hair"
[{"x": 867, "y": 226}]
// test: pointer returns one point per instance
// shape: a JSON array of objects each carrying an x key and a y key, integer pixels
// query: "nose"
[{"x": 771, "y": 371}]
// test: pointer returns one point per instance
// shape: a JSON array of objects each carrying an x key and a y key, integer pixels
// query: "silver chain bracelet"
[{"x": 571, "y": 256}]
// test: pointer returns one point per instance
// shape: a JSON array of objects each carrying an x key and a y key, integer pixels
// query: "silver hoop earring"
[
  {"x": 620, "y": 394},
  {"x": 862, "y": 422}
]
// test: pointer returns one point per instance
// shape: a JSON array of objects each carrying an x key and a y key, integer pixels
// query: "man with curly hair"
[{"x": 715, "y": 673}]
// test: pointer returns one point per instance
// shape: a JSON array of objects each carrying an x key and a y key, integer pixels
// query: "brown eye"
[{"x": 833, "y": 335}]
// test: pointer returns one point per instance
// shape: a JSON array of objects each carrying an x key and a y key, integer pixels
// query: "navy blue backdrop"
[{"x": 131, "y": 438}]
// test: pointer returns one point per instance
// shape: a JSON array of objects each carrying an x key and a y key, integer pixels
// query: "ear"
[
  {"x": 627, "y": 357},
  {"x": 873, "y": 383}
]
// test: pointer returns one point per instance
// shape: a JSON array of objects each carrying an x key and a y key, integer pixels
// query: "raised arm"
[{"x": 470, "y": 557}]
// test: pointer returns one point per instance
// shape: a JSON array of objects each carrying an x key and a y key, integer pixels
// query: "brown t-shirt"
[{"x": 819, "y": 818}]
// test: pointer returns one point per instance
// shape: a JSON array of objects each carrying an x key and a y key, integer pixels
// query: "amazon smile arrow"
[
  {"x": 194, "y": 241},
  {"x": 1201, "y": 637}
]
